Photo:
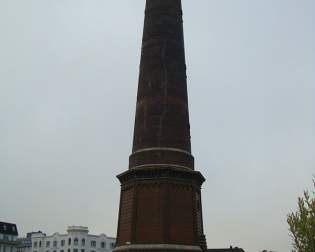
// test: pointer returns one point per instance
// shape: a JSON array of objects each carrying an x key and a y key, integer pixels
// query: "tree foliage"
[{"x": 302, "y": 224}]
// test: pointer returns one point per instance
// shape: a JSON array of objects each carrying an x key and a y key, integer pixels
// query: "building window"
[
  {"x": 62, "y": 242},
  {"x": 61, "y": 250},
  {"x": 5, "y": 227},
  {"x": 75, "y": 250},
  {"x": 112, "y": 245},
  {"x": 47, "y": 244},
  {"x": 83, "y": 242},
  {"x": 47, "y": 250},
  {"x": 55, "y": 244},
  {"x": 40, "y": 244},
  {"x": 13, "y": 228},
  {"x": 69, "y": 241},
  {"x": 93, "y": 244},
  {"x": 35, "y": 245},
  {"x": 103, "y": 244},
  {"x": 82, "y": 250},
  {"x": 68, "y": 250},
  {"x": 75, "y": 241},
  {"x": 5, "y": 237}
]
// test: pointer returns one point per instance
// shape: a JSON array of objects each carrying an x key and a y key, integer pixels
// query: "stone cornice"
[{"x": 161, "y": 172}]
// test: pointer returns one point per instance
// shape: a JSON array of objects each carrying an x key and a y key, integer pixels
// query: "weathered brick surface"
[
  {"x": 181, "y": 215},
  {"x": 150, "y": 214},
  {"x": 125, "y": 218},
  {"x": 162, "y": 118}
]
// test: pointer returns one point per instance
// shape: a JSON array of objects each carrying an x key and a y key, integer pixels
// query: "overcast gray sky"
[{"x": 68, "y": 82}]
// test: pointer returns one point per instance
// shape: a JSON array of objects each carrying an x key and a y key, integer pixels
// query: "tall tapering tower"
[{"x": 160, "y": 201}]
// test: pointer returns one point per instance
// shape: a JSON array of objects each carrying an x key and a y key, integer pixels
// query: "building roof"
[
  {"x": 236, "y": 249},
  {"x": 8, "y": 228}
]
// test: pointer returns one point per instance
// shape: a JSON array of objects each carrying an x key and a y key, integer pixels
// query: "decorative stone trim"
[
  {"x": 159, "y": 247},
  {"x": 163, "y": 149},
  {"x": 170, "y": 156},
  {"x": 168, "y": 173}
]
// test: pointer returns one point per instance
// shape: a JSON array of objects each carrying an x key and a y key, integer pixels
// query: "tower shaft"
[
  {"x": 160, "y": 201},
  {"x": 162, "y": 129}
]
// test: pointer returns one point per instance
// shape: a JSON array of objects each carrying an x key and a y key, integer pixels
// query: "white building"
[
  {"x": 77, "y": 239},
  {"x": 25, "y": 243},
  {"x": 8, "y": 237}
]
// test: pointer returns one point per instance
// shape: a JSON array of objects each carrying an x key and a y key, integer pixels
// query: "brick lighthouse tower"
[{"x": 160, "y": 202}]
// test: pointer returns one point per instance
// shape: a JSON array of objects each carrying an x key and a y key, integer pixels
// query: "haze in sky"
[{"x": 68, "y": 83}]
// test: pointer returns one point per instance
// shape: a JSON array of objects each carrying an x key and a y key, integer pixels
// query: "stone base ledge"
[{"x": 157, "y": 248}]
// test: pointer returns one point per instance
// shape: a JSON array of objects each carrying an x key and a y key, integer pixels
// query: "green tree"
[{"x": 302, "y": 223}]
